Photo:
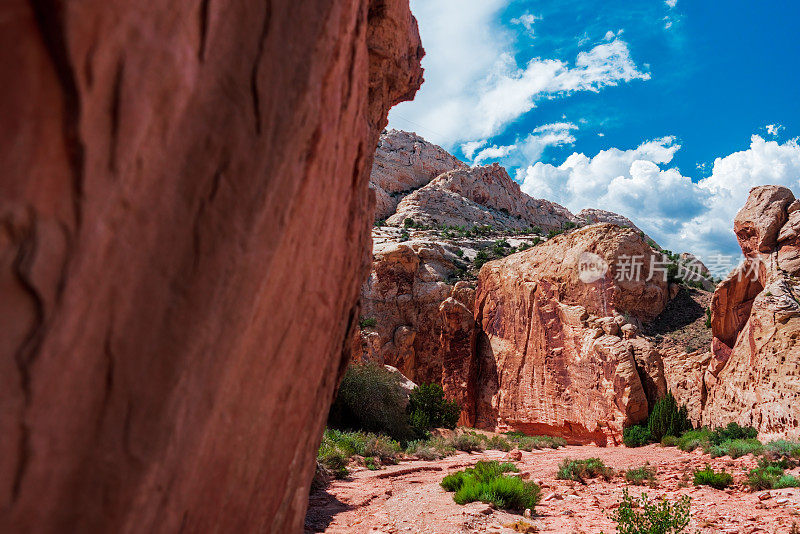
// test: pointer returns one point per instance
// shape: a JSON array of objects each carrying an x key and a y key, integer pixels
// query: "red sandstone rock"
[
  {"x": 756, "y": 323},
  {"x": 171, "y": 338},
  {"x": 550, "y": 358}
]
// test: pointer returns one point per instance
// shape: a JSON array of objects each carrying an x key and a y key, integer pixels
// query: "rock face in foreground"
[
  {"x": 555, "y": 354},
  {"x": 171, "y": 338},
  {"x": 403, "y": 162},
  {"x": 754, "y": 375},
  {"x": 481, "y": 195}
]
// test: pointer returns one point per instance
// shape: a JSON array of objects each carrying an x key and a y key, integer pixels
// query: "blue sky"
[{"x": 666, "y": 111}]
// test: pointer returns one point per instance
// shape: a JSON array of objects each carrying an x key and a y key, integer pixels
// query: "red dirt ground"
[{"x": 407, "y": 497}]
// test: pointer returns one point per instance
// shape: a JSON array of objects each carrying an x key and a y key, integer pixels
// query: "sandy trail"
[{"x": 408, "y": 498}]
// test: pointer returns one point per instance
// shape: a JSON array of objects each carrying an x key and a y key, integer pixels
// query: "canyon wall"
[
  {"x": 754, "y": 374},
  {"x": 175, "y": 296},
  {"x": 560, "y": 355}
]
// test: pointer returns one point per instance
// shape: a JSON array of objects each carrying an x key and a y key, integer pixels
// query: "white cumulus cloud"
[
  {"x": 680, "y": 214},
  {"x": 474, "y": 85}
]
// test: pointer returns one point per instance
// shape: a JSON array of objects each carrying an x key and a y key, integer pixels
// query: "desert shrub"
[
  {"x": 736, "y": 448},
  {"x": 708, "y": 317},
  {"x": 499, "y": 444},
  {"x": 580, "y": 470},
  {"x": 651, "y": 517},
  {"x": 641, "y": 475},
  {"x": 338, "y": 447},
  {"x": 459, "y": 252},
  {"x": 771, "y": 475},
  {"x": 732, "y": 432},
  {"x": 709, "y": 477},
  {"x": 667, "y": 419},
  {"x": 523, "y": 246},
  {"x": 480, "y": 259},
  {"x": 537, "y": 230},
  {"x": 528, "y": 443},
  {"x": 370, "y": 398},
  {"x": 468, "y": 443},
  {"x": 636, "y": 436},
  {"x": 404, "y": 236},
  {"x": 434, "y": 448},
  {"x": 669, "y": 441},
  {"x": 694, "y": 439},
  {"x": 782, "y": 448},
  {"x": 487, "y": 482},
  {"x": 428, "y": 408},
  {"x": 367, "y": 322}
]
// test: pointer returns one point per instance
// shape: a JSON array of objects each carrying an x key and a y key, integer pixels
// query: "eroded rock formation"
[
  {"x": 754, "y": 375},
  {"x": 482, "y": 195},
  {"x": 555, "y": 354},
  {"x": 171, "y": 337},
  {"x": 403, "y": 162}
]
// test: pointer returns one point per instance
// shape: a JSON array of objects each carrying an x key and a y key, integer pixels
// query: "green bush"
[
  {"x": 428, "y": 409},
  {"x": 580, "y": 470},
  {"x": 732, "y": 432},
  {"x": 651, "y": 517},
  {"x": 736, "y": 448},
  {"x": 641, "y": 475},
  {"x": 709, "y": 477},
  {"x": 636, "y": 436},
  {"x": 487, "y": 482},
  {"x": 338, "y": 447},
  {"x": 667, "y": 419},
  {"x": 370, "y": 398},
  {"x": 669, "y": 441},
  {"x": 367, "y": 322},
  {"x": 694, "y": 439},
  {"x": 770, "y": 475},
  {"x": 468, "y": 443},
  {"x": 499, "y": 444}
]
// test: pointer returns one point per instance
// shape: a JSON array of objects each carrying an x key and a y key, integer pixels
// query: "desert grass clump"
[
  {"x": 498, "y": 443},
  {"x": 709, "y": 477},
  {"x": 694, "y": 439},
  {"x": 736, "y": 448},
  {"x": 782, "y": 448},
  {"x": 581, "y": 470},
  {"x": 339, "y": 447},
  {"x": 651, "y": 517},
  {"x": 641, "y": 475},
  {"x": 434, "y": 448},
  {"x": 487, "y": 482},
  {"x": 770, "y": 475},
  {"x": 468, "y": 442},
  {"x": 528, "y": 443}
]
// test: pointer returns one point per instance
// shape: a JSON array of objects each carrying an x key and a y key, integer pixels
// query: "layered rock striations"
[
  {"x": 754, "y": 375},
  {"x": 181, "y": 186},
  {"x": 556, "y": 355}
]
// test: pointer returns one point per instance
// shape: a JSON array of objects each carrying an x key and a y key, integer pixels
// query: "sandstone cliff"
[
  {"x": 481, "y": 195},
  {"x": 403, "y": 162},
  {"x": 171, "y": 337},
  {"x": 753, "y": 376},
  {"x": 555, "y": 354}
]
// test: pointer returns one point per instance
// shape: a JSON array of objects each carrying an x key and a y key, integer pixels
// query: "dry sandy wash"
[{"x": 408, "y": 498}]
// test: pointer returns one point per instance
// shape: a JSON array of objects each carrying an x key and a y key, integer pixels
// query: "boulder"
[{"x": 184, "y": 227}]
